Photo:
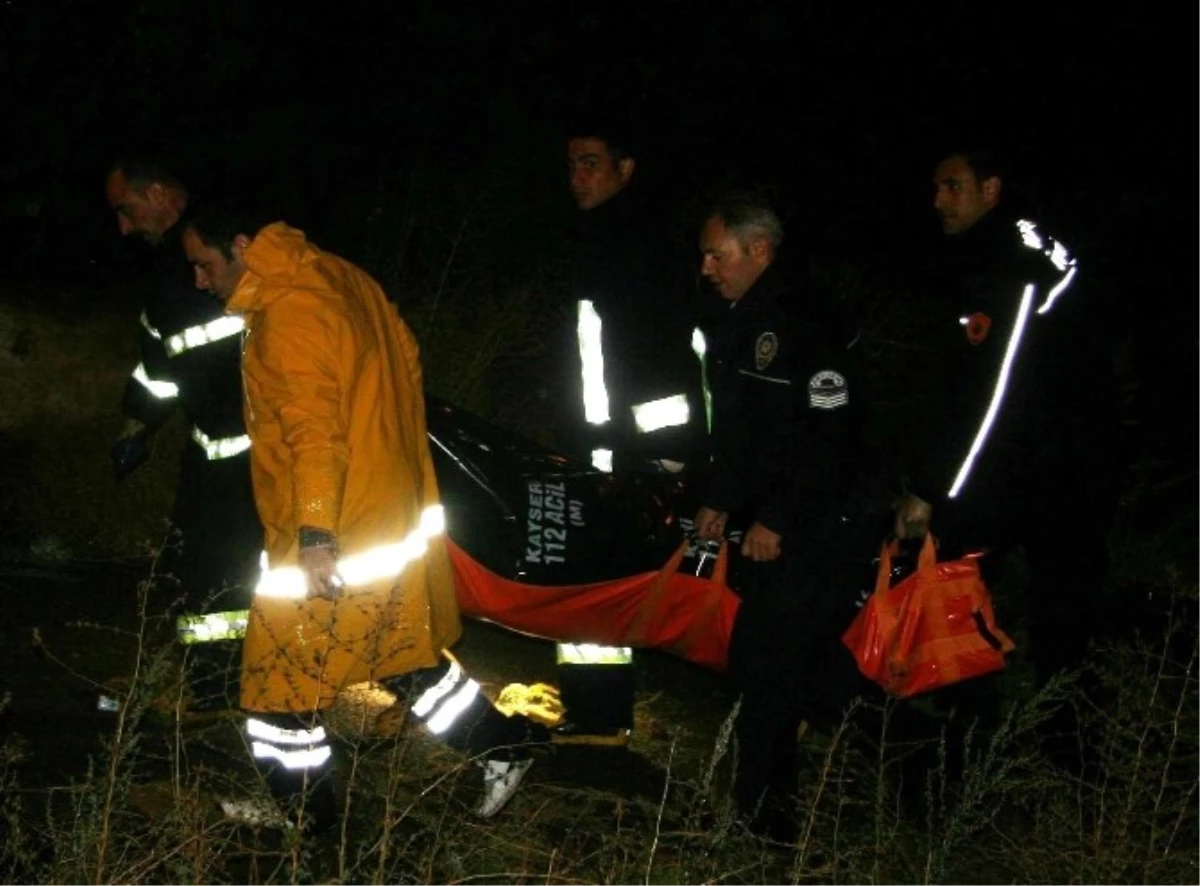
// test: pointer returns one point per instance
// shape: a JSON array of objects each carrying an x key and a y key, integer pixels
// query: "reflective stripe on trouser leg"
[
  {"x": 296, "y": 746},
  {"x": 452, "y": 707},
  {"x": 295, "y": 758},
  {"x": 214, "y": 645},
  {"x": 596, "y": 684}
]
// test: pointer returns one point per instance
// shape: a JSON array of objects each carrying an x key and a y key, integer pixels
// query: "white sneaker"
[
  {"x": 500, "y": 781},
  {"x": 256, "y": 812}
]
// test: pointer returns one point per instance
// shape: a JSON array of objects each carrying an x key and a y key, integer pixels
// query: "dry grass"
[{"x": 985, "y": 808}]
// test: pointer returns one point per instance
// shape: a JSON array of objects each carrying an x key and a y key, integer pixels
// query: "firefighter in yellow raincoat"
[{"x": 356, "y": 583}]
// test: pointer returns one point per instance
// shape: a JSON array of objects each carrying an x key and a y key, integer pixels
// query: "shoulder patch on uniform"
[
  {"x": 828, "y": 390},
  {"x": 765, "y": 350}
]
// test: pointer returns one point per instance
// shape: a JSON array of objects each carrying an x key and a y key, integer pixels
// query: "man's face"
[
  {"x": 728, "y": 265},
  {"x": 148, "y": 213},
  {"x": 215, "y": 272},
  {"x": 960, "y": 199},
  {"x": 595, "y": 176}
]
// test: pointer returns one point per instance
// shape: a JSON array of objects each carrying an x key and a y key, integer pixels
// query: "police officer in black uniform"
[
  {"x": 634, "y": 382},
  {"x": 1022, "y": 443},
  {"x": 790, "y": 461},
  {"x": 191, "y": 359}
]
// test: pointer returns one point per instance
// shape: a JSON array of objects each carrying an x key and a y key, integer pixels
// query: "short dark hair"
[
  {"x": 142, "y": 172},
  {"x": 984, "y": 162},
  {"x": 219, "y": 223},
  {"x": 746, "y": 214},
  {"x": 614, "y": 133}
]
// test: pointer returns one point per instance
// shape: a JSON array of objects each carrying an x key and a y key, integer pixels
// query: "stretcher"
[{"x": 546, "y": 545}]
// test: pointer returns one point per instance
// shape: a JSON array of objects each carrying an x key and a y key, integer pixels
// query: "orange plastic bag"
[{"x": 934, "y": 628}]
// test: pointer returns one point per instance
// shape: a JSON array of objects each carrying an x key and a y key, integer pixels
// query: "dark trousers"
[
  {"x": 786, "y": 657},
  {"x": 211, "y": 563},
  {"x": 1062, "y": 525}
]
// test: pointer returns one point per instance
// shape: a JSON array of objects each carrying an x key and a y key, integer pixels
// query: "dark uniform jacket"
[
  {"x": 190, "y": 353},
  {"x": 638, "y": 284},
  {"x": 1025, "y": 392},
  {"x": 788, "y": 408},
  {"x": 191, "y": 359}
]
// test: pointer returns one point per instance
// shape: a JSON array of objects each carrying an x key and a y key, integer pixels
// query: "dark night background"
[
  {"x": 336, "y": 107},
  {"x": 386, "y": 131},
  {"x": 424, "y": 141}
]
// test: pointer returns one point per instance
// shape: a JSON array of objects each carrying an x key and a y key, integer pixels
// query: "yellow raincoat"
[{"x": 336, "y": 414}]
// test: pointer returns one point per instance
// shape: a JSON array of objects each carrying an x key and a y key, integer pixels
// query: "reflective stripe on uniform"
[
  {"x": 602, "y": 460},
  {"x": 224, "y": 447},
  {"x": 309, "y": 758},
  {"x": 590, "y": 653},
  {"x": 154, "y": 333},
  {"x": 212, "y": 627},
  {"x": 440, "y": 706},
  {"x": 666, "y": 412},
  {"x": 163, "y": 390},
  {"x": 591, "y": 354},
  {"x": 204, "y": 334},
  {"x": 384, "y": 561},
  {"x": 1058, "y": 255},
  {"x": 989, "y": 418},
  {"x": 294, "y": 748},
  {"x": 700, "y": 349}
]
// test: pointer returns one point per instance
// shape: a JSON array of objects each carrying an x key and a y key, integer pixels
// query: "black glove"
[{"x": 129, "y": 452}]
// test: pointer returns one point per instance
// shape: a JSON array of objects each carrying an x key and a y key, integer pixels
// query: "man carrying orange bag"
[
  {"x": 790, "y": 462},
  {"x": 1020, "y": 451}
]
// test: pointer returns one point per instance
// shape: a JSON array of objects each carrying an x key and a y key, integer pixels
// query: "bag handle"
[
  {"x": 884, "y": 575},
  {"x": 658, "y": 584},
  {"x": 720, "y": 567},
  {"x": 926, "y": 561}
]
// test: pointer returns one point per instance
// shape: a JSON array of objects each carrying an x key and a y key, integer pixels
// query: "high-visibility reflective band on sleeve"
[
  {"x": 212, "y": 627},
  {"x": 1029, "y": 235},
  {"x": 222, "y": 448},
  {"x": 668, "y": 412},
  {"x": 1059, "y": 257},
  {"x": 163, "y": 390},
  {"x": 154, "y": 333},
  {"x": 590, "y": 653},
  {"x": 591, "y": 355},
  {"x": 989, "y": 418},
  {"x": 602, "y": 460},
  {"x": 357, "y": 570},
  {"x": 1059, "y": 288},
  {"x": 700, "y": 349},
  {"x": 204, "y": 334}
]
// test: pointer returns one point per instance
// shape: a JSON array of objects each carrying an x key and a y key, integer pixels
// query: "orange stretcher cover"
[{"x": 686, "y": 615}]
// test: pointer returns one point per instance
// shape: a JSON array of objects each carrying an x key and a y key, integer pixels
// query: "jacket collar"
[{"x": 277, "y": 255}]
